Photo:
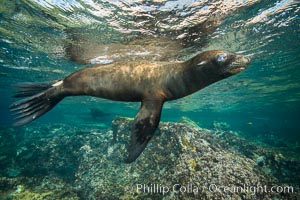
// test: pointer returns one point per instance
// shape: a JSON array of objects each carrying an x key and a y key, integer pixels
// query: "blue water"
[
  {"x": 33, "y": 38},
  {"x": 261, "y": 104}
]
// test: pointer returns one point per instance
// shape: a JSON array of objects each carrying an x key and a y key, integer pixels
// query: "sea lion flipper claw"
[{"x": 145, "y": 124}]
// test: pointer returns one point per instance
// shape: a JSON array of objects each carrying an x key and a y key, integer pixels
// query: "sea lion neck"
[{"x": 204, "y": 70}]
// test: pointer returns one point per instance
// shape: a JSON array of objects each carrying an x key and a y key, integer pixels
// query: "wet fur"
[{"x": 151, "y": 83}]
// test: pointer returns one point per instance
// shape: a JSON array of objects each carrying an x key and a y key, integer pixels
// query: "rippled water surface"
[{"x": 48, "y": 39}]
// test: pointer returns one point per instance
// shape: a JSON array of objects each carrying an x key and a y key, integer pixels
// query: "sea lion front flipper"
[{"x": 145, "y": 124}]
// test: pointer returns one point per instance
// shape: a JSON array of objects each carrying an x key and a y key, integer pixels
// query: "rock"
[
  {"x": 36, "y": 188},
  {"x": 182, "y": 161},
  {"x": 261, "y": 161}
]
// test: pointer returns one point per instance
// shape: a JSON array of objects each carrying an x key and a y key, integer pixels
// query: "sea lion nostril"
[
  {"x": 242, "y": 61},
  {"x": 248, "y": 60}
]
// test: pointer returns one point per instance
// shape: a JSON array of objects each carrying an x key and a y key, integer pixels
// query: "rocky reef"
[{"x": 182, "y": 161}]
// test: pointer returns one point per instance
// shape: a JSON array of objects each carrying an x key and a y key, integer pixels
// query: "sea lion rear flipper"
[
  {"x": 145, "y": 124},
  {"x": 39, "y": 99}
]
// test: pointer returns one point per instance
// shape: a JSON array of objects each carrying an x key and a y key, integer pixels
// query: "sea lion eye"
[{"x": 222, "y": 57}]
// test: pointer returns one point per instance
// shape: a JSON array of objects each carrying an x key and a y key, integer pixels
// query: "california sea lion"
[{"x": 151, "y": 83}]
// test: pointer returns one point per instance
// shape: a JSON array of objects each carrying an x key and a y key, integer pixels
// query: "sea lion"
[{"x": 151, "y": 83}]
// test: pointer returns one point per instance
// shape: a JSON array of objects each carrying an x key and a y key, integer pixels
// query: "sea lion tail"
[{"x": 41, "y": 97}]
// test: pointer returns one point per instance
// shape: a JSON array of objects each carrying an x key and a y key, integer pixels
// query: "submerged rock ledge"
[{"x": 182, "y": 161}]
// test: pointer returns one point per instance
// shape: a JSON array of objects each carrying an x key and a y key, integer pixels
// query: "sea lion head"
[{"x": 223, "y": 63}]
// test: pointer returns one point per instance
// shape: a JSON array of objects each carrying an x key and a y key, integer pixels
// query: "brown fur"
[{"x": 151, "y": 83}]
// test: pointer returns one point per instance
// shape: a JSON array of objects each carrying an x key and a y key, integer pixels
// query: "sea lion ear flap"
[
  {"x": 145, "y": 124},
  {"x": 202, "y": 63}
]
